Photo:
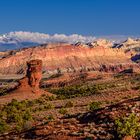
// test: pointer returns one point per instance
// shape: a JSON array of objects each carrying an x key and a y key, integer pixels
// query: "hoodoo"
[
  {"x": 32, "y": 79},
  {"x": 29, "y": 85},
  {"x": 33, "y": 76},
  {"x": 34, "y": 73}
]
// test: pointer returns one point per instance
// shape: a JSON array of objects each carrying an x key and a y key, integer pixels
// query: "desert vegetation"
[
  {"x": 94, "y": 105},
  {"x": 15, "y": 115},
  {"x": 75, "y": 91},
  {"x": 128, "y": 126},
  {"x": 94, "y": 108}
]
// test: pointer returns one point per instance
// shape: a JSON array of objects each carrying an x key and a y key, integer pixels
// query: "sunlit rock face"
[
  {"x": 102, "y": 42},
  {"x": 34, "y": 72},
  {"x": 29, "y": 85},
  {"x": 131, "y": 47},
  {"x": 33, "y": 76},
  {"x": 67, "y": 58}
]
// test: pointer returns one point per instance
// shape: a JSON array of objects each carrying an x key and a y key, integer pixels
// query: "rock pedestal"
[
  {"x": 28, "y": 87},
  {"x": 30, "y": 83},
  {"x": 34, "y": 73}
]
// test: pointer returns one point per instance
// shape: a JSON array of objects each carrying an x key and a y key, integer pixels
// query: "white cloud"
[{"x": 41, "y": 38}]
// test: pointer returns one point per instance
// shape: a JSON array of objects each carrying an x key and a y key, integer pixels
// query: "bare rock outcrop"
[
  {"x": 28, "y": 87},
  {"x": 132, "y": 48},
  {"x": 130, "y": 45},
  {"x": 102, "y": 42},
  {"x": 33, "y": 76},
  {"x": 31, "y": 81},
  {"x": 34, "y": 73},
  {"x": 66, "y": 58}
]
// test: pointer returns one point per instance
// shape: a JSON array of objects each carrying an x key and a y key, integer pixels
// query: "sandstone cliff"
[
  {"x": 67, "y": 58},
  {"x": 101, "y": 42},
  {"x": 131, "y": 47}
]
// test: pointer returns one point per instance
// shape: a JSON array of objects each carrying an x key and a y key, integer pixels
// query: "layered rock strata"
[{"x": 68, "y": 58}]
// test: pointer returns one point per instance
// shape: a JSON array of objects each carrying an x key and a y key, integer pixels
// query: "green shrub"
[
  {"x": 27, "y": 115},
  {"x": 43, "y": 107},
  {"x": 75, "y": 91},
  {"x": 3, "y": 126},
  {"x": 15, "y": 114},
  {"x": 50, "y": 118},
  {"x": 3, "y": 91},
  {"x": 51, "y": 98},
  {"x": 40, "y": 100},
  {"x": 18, "y": 127},
  {"x": 94, "y": 105},
  {"x": 48, "y": 106},
  {"x": 43, "y": 99},
  {"x": 63, "y": 111},
  {"x": 128, "y": 126},
  {"x": 69, "y": 104}
]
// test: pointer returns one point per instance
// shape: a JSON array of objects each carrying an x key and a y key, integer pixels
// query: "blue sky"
[{"x": 86, "y": 17}]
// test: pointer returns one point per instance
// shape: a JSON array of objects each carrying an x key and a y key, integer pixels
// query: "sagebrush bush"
[
  {"x": 94, "y": 105},
  {"x": 44, "y": 107},
  {"x": 69, "y": 104},
  {"x": 63, "y": 111},
  {"x": 15, "y": 112},
  {"x": 3, "y": 126},
  {"x": 75, "y": 91},
  {"x": 128, "y": 126},
  {"x": 48, "y": 106}
]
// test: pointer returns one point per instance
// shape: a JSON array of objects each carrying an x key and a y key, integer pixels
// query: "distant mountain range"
[
  {"x": 88, "y": 54},
  {"x": 21, "y": 39}
]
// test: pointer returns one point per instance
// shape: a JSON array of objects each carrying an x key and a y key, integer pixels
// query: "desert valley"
[{"x": 71, "y": 91}]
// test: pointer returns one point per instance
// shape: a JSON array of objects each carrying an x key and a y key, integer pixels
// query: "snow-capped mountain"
[{"x": 20, "y": 39}]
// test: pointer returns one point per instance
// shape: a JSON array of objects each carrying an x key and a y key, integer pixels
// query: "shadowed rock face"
[{"x": 34, "y": 73}]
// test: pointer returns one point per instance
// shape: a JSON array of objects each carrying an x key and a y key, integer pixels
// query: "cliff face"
[
  {"x": 131, "y": 47},
  {"x": 67, "y": 58}
]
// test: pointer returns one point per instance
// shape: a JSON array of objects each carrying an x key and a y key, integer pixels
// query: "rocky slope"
[
  {"x": 130, "y": 43},
  {"x": 132, "y": 47},
  {"x": 62, "y": 57}
]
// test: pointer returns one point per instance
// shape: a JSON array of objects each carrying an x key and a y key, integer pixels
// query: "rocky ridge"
[
  {"x": 63, "y": 58},
  {"x": 130, "y": 44}
]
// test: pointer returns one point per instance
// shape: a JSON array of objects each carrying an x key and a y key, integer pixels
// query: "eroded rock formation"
[
  {"x": 131, "y": 47},
  {"x": 28, "y": 87},
  {"x": 102, "y": 42},
  {"x": 34, "y": 73},
  {"x": 67, "y": 58},
  {"x": 33, "y": 76}
]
